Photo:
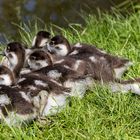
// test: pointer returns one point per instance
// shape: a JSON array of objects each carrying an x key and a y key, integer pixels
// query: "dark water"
[{"x": 59, "y": 12}]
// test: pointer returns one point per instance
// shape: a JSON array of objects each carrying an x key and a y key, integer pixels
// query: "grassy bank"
[{"x": 100, "y": 114}]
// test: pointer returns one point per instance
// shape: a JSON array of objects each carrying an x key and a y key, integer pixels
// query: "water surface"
[{"x": 59, "y": 12}]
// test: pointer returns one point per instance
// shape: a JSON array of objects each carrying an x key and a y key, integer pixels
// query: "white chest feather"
[
  {"x": 79, "y": 87},
  {"x": 54, "y": 104}
]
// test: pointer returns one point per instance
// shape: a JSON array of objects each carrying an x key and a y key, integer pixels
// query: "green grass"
[{"x": 100, "y": 115}]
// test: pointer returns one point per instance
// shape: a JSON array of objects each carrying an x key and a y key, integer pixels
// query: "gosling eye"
[
  {"x": 38, "y": 64},
  {"x": 58, "y": 48},
  {"x": 33, "y": 58},
  {"x": 8, "y": 49},
  {"x": 2, "y": 79},
  {"x": 51, "y": 43},
  {"x": 10, "y": 55},
  {"x": 40, "y": 98}
]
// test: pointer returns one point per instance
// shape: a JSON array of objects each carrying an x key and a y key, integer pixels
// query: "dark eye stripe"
[
  {"x": 10, "y": 55},
  {"x": 51, "y": 43},
  {"x": 1, "y": 78},
  {"x": 58, "y": 48}
]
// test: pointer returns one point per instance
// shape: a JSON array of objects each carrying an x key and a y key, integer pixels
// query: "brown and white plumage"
[
  {"x": 59, "y": 45},
  {"x": 35, "y": 91}
]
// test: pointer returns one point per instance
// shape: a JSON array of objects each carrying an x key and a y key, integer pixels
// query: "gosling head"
[
  {"x": 6, "y": 76},
  {"x": 59, "y": 45},
  {"x": 41, "y": 39},
  {"x": 39, "y": 59},
  {"x": 15, "y": 54}
]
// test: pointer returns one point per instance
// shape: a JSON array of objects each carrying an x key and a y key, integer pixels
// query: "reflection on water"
[{"x": 59, "y": 12}]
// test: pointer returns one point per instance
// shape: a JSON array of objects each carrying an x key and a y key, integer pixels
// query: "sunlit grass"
[{"x": 100, "y": 114}]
